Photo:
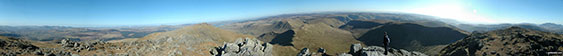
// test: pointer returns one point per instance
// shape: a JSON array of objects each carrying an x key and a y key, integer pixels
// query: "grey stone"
[
  {"x": 213, "y": 52},
  {"x": 304, "y": 52},
  {"x": 356, "y": 47},
  {"x": 246, "y": 47},
  {"x": 230, "y": 48},
  {"x": 74, "y": 55},
  {"x": 357, "y": 50},
  {"x": 321, "y": 50},
  {"x": 345, "y": 54}
]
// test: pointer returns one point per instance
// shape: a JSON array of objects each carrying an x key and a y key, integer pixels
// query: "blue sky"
[{"x": 170, "y": 12}]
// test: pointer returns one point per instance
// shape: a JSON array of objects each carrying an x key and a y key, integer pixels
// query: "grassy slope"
[
  {"x": 322, "y": 30},
  {"x": 203, "y": 36},
  {"x": 318, "y": 34},
  {"x": 194, "y": 40}
]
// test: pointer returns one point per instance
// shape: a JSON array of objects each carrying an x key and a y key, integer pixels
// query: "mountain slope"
[
  {"x": 332, "y": 31},
  {"x": 284, "y": 38},
  {"x": 190, "y": 40},
  {"x": 318, "y": 34},
  {"x": 507, "y": 42},
  {"x": 406, "y": 35},
  {"x": 359, "y": 27},
  {"x": 259, "y": 27},
  {"x": 268, "y": 24},
  {"x": 311, "y": 33}
]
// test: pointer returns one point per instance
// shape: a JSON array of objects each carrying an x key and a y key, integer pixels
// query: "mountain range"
[{"x": 331, "y": 33}]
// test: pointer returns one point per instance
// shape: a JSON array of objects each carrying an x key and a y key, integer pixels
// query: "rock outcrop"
[
  {"x": 306, "y": 52},
  {"x": 13, "y": 46},
  {"x": 514, "y": 41},
  {"x": 78, "y": 46},
  {"x": 19, "y": 47},
  {"x": 246, "y": 47},
  {"x": 358, "y": 50}
]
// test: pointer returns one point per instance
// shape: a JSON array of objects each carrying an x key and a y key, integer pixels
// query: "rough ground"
[
  {"x": 11, "y": 46},
  {"x": 358, "y": 50},
  {"x": 315, "y": 34},
  {"x": 192, "y": 40},
  {"x": 246, "y": 47},
  {"x": 335, "y": 31},
  {"x": 514, "y": 41}
]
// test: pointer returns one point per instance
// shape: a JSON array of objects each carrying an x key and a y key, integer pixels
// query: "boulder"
[
  {"x": 357, "y": 50},
  {"x": 304, "y": 52},
  {"x": 321, "y": 50},
  {"x": 246, "y": 47}
]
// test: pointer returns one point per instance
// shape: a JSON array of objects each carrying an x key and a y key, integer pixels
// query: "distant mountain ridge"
[
  {"x": 49, "y": 33},
  {"x": 285, "y": 35},
  {"x": 197, "y": 40},
  {"x": 342, "y": 29},
  {"x": 547, "y": 27},
  {"x": 430, "y": 21}
]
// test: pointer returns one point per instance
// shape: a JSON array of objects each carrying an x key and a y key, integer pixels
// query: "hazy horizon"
[{"x": 174, "y": 12}]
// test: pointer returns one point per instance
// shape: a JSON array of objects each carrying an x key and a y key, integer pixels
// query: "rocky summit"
[
  {"x": 13, "y": 46},
  {"x": 246, "y": 47},
  {"x": 514, "y": 41},
  {"x": 358, "y": 50},
  {"x": 18, "y": 47}
]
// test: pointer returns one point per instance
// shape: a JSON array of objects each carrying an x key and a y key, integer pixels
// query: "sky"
[{"x": 171, "y": 12}]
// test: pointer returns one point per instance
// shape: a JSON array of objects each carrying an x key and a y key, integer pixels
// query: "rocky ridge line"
[
  {"x": 358, "y": 50},
  {"x": 246, "y": 47}
]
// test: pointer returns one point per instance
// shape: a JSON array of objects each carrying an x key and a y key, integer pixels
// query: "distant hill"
[
  {"x": 512, "y": 41},
  {"x": 191, "y": 40},
  {"x": 429, "y": 21},
  {"x": 547, "y": 27},
  {"x": 49, "y": 33},
  {"x": 196, "y": 40},
  {"x": 335, "y": 31},
  {"x": 267, "y": 24}
]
